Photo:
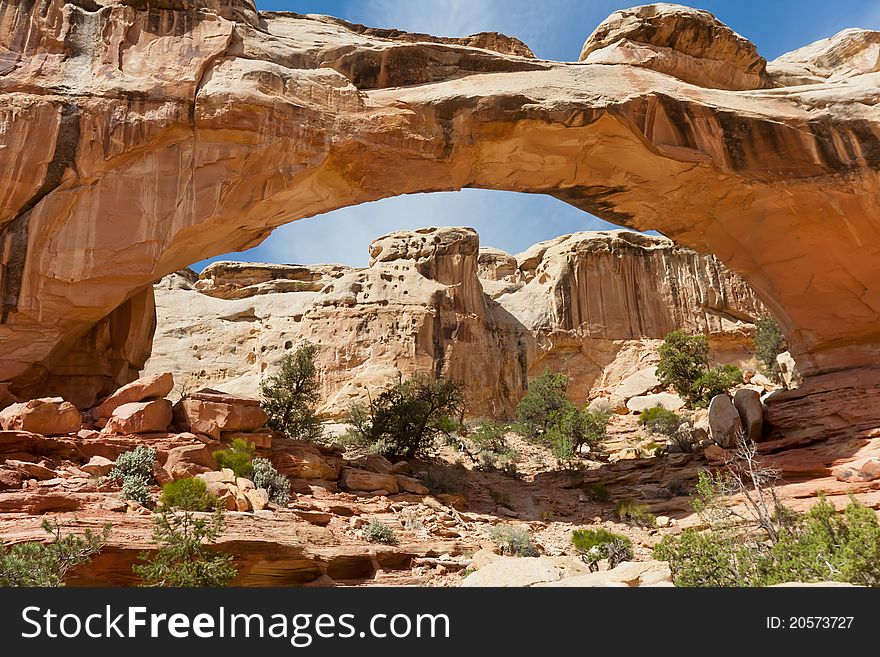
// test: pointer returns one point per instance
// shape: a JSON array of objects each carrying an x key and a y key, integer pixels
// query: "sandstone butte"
[
  {"x": 139, "y": 137},
  {"x": 594, "y": 305}
]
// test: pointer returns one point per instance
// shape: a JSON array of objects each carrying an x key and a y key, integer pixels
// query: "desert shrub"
[
  {"x": 134, "y": 469},
  {"x": 660, "y": 420},
  {"x": 762, "y": 542},
  {"x": 183, "y": 558},
  {"x": 289, "y": 396},
  {"x": 238, "y": 458},
  {"x": 275, "y": 483},
  {"x": 379, "y": 532},
  {"x": 404, "y": 421},
  {"x": 544, "y": 399},
  {"x": 571, "y": 429},
  {"x": 769, "y": 343},
  {"x": 492, "y": 449},
  {"x": 716, "y": 381},
  {"x": 47, "y": 564},
  {"x": 633, "y": 513},
  {"x": 593, "y": 545},
  {"x": 684, "y": 364},
  {"x": 684, "y": 438},
  {"x": 514, "y": 541},
  {"x": 596, "y": 491},
  {"x": 188, "y": 494}
]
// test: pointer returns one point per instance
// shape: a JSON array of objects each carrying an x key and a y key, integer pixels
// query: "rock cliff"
[
  {"x": 139, "y": 137},
  {"x": 591, "y": 304}
]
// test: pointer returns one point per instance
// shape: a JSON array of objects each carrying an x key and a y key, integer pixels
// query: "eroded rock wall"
[{"x": 593, "y": 305}]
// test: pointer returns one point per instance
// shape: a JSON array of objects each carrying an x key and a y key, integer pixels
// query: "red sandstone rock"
[
  {"x": 364, "y": 480},
  {"x": 214, "y": 417},
  {"x": 49, "y": 416},
  {"x": 140, "y": 417},
  {"x": 188, "y": 461},
  {"x": 149, "y": 387}
]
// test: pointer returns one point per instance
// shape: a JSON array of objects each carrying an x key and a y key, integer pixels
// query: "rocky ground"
[{"x": 440, "y": 510}]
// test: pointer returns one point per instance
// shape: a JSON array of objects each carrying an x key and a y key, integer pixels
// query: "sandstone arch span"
[{"x": 138, "y": 137}]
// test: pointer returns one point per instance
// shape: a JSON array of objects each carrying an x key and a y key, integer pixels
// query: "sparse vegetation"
[
  {"x": 492, "y": 449},
  {"x": 596, "y": 491},
  {"x": 188, "y": 494},
  {"x": 513, "y": 541},
  {"x": 684, "y": 364},
  {"x": 290, "y": 396},
  {"x": 760, "y": 541},
  {"x": 47, "y": 564},
  {"x": 546, "y": 416},
  {"x": 660, "y": 420},
  {"x": 571, "y": 429},
  {"x": 632, "y": 513},
  {"x": 769, "y": 343},
  {"x": 404, "y": 421},
  {"x": 238, "y": 458},
  {"x": 183, "y": 558},
  {"x": 500, "y": 498},
  {"x": 275, "y": 483},
  {"x": 593, "y": 545},
  {"x": 379, "y": 532},
  {"x": 135, "y": 470},
  {"x": 544, "y": 399}
]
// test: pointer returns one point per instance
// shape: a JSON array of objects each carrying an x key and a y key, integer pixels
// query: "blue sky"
[{"x": 554, "y": 30}]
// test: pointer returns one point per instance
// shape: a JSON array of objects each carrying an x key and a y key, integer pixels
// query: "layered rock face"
[
  {"x": 593, "y": 305},
  {"x": 140, "y": 137}
]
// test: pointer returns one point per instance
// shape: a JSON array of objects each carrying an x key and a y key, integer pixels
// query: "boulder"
[
  {"x": 374, "y": 463},
  {"x": 224, "y": 476},
  {"x": 140, "y": 417},
  {"x": 724, "y": 422},
  {"x": 189, "y": 461},
  {"x": 259, "y": 439},
  {"x": 198, "y": 415},
  {"x": 154, "y": 386},
  {"x": 751, "y": 412},
  {"x": 299, "y": 459},
  {"x": 258, "y": 498},
  {"x": 715, "y": 454},
  {"x": 50, "y": 416},
  {"x": 365, "y": 480},
  {"x": 31, "y": 470},
  {"x": 98, "y": 466},
  {"x": 640, "y": 383},
  {"x": 513, "y": 572},
  {"x": 628, "y": 573},
  {"x": 788, "y": 370},
  {"x": 411, "y": 485},
  {"x": 667, "y": 400},
  {"x": 10, "y": 479}
]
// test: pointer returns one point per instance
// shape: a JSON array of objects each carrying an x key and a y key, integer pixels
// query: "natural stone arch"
[{"x": 159, "y": 134}]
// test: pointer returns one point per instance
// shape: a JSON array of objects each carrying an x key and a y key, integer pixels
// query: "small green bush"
[
  {"x": 183, "y": 558},
  {"x": 36, "y": 564},
  {"x": 238, "y": 458},
  {"x": 188, "y": 494},
  {"x": 514, "y": 541},
  {"x": 632, "y": 513},
  {"x": 571, "y": 429},
  {"x": 379, "y": 532},
  {"x": 135, "y": 470},
  {"x": 275, "y": 483},
  {"x": 596, "y": 491},
  {"x": 684, "y": 365},
  {"x": 593, "y": 545},
  {"x": 290, "y": 396},
  {"x": 406, "y": 420},
  {"x": 491, "y": 448},
  {"x": 545, "y": 398},
  {"x": 500, "y": 498},
  {"x": 769, "y": 343},
  {"x": 660, "y": 420}
]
